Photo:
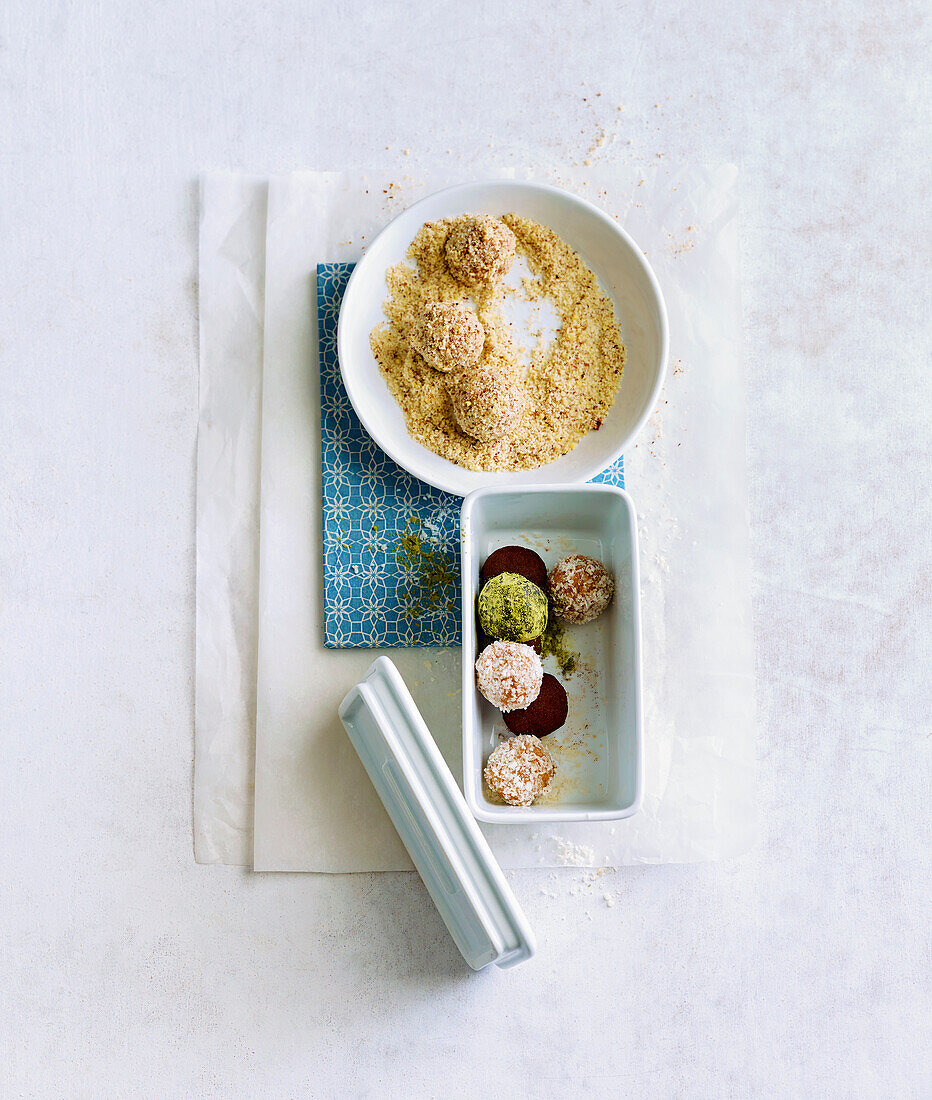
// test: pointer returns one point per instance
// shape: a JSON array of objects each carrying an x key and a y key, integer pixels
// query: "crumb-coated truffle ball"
[
  {"x": 480, "y": 250},
  {"x": 511, "y": 609},
  {"x": 520, "y": 770},
  {"x": 546, "y": 713},
  {"x": 449, "y": 336},
  {"x": 515, "y": 559},
  {"x": 488, "y": 404},
  {"x": 509, "y": 675},
  {"x": 581, "y": 588}
]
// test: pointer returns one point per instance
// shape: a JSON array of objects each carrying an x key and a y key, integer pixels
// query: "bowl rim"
[
  {"x": 593, "y": 469},
  {"x": 536, "y": 815}
]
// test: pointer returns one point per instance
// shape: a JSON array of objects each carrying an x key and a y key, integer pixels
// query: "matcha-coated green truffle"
[{"x": 512, "y": 609}]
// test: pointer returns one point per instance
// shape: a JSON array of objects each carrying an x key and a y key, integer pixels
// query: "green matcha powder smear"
[
  {"x": 553, "y": 644},
  {"x": 432, "y": 571}
]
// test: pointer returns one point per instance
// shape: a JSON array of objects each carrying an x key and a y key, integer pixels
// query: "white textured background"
[{"x": 125, "y": 969}]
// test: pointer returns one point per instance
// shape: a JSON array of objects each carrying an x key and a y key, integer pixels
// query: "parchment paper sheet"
[
  {"x": 315, "y": 809},
  {"x": 231, "y": 279}
]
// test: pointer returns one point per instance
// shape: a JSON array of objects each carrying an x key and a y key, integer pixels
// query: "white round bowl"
[{"x": 623, "y": 273}]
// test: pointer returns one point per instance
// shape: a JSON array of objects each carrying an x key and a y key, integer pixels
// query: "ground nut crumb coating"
[
  {"x": 569, "y": 386},
  {"x": 487, "y": 404},
  {"x": 480, "y": 250},
  {"x": 448, "y": 336},
  {"x": 581, "y": 588},
  {"x": 509, "y": 675},
  {"x": 520, "y": 770}
]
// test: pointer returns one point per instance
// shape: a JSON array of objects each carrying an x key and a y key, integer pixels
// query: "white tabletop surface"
[{"x": 127, "y": 970}]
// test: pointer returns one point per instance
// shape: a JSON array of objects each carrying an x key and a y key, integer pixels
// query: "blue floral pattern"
[{"x": 374, "y": 594}]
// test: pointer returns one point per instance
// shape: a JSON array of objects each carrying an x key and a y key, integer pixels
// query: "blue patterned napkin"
[{"x": 391, "y": 542}]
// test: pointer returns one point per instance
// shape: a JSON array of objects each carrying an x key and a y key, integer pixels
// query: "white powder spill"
[{"x": 572, "y": 855}]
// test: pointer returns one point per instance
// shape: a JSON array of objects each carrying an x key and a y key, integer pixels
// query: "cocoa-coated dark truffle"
[
  {"x": 483, "y": 640},
  {"x": 546, "y": 714},
  {"x": 516, "y": 559}
]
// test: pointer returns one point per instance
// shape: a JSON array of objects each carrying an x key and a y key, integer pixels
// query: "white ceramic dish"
[
  {"x": 598, "y": 752},
  {"x": 623, "y": 273}
]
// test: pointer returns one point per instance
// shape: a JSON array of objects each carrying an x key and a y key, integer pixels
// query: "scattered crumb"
[{"x": 573, "y": 855}]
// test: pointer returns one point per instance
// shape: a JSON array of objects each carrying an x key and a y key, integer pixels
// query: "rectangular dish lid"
[{"x": 433, "y": 820}]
